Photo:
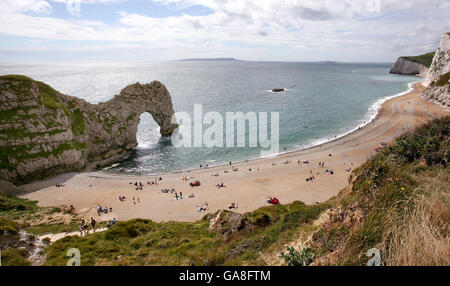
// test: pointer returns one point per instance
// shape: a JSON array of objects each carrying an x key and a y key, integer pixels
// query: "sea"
[{"x": 322, "y": 101}]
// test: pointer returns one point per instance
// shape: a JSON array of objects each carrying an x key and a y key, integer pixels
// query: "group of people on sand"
[
  {"x": 178, "y": 197},
  {"x": 104, "y": 210},
  {"x": 165, "y": 191},
  {"x": 232, "y": 206},
  {"x": 122, "y": 198},
  {"x": 221, "y": 185},
  {"x": 321, "y": 164},
  {"x": 311, "y": 178},
  {"x": 203, "y": 207},
  {"x": 304, "y": 162},
  {"x": 139, "y": 186},
  {"x": 155, "y": 181},
  {"x": 60, "y": 185}
]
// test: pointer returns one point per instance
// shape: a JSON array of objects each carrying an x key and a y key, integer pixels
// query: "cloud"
[
  {"x": 38, "y": 6},
  {"x": 74, "y": 6},
  {"x": 385, "y": 28}
]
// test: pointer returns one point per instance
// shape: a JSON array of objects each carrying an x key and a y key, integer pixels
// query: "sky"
[{"x": 270, "y": 30}]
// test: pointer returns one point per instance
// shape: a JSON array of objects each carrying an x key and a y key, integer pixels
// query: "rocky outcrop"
[
  {"x": 438, "y": 89},
  {"x": 406, "y": 66},
  {"x": 44, "y": 132}
]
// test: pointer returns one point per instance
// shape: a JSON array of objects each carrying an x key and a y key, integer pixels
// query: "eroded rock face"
[
  {"x": 439, "y": 74},
  {"x": 406, "y": 67},
  {"x": 44, "y": 132}
]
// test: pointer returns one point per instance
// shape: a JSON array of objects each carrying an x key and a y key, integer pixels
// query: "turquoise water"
[{"x": 331, "y": 99}]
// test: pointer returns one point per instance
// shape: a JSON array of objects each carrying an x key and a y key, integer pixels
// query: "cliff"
[
  {"x": 412, "y": 65},
  {"x": 439, "y": 88},
  {"x": 44, "y": 132}
]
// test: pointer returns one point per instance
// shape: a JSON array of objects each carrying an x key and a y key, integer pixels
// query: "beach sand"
[{"x": 248, "y": 189}]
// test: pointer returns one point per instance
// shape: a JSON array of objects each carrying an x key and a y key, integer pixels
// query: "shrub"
[{"x": 298, "y": 258}]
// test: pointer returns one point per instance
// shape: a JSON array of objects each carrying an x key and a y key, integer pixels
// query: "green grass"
[
  {"x": 425, "y": 59},
  {"x": 143, "y": 242},
  {"x": 14, "y": 257},
  {"x": 8, "y": 226},
  {"x": 77, "y": 122},
  {"x": 15, "y": 208}
]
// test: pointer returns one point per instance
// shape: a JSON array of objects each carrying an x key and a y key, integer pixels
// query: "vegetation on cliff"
[
  {"x": 425, "y": 59},
  {"x": 402, "y": 197},
  {"x": 28, "y": 216}
]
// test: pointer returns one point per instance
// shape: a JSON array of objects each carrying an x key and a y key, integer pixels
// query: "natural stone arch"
[
  {"x": 44, "y": 132},
  {"x": 126, "y": 109}
]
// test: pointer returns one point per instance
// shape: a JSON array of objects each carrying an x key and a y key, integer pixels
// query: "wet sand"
[{"x": 248, "y": 189}]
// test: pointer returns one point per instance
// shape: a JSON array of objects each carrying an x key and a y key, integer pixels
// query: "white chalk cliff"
[{"x": 438, "y": 89}]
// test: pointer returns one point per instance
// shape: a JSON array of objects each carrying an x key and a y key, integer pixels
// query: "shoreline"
[
  {"x": 256, "y": 180},
  {"x": 377, "y": 105}
]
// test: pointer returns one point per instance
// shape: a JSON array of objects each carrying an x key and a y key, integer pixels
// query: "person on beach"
[
  {"x": 181, "y": 195},
  {"x": 176, "y": 195},
  {"x": 232, "y": 206}
]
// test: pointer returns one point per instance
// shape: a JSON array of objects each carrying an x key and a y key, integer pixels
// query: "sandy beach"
[{"x": 280, "y": 176}]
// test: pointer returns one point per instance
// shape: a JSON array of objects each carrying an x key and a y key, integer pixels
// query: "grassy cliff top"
[{"x": 425, "y": 59}]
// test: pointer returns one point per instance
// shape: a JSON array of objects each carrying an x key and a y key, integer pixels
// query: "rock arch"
[
  {"x": 44, "y": 132},
  {"x": 124, "y": 111}
]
